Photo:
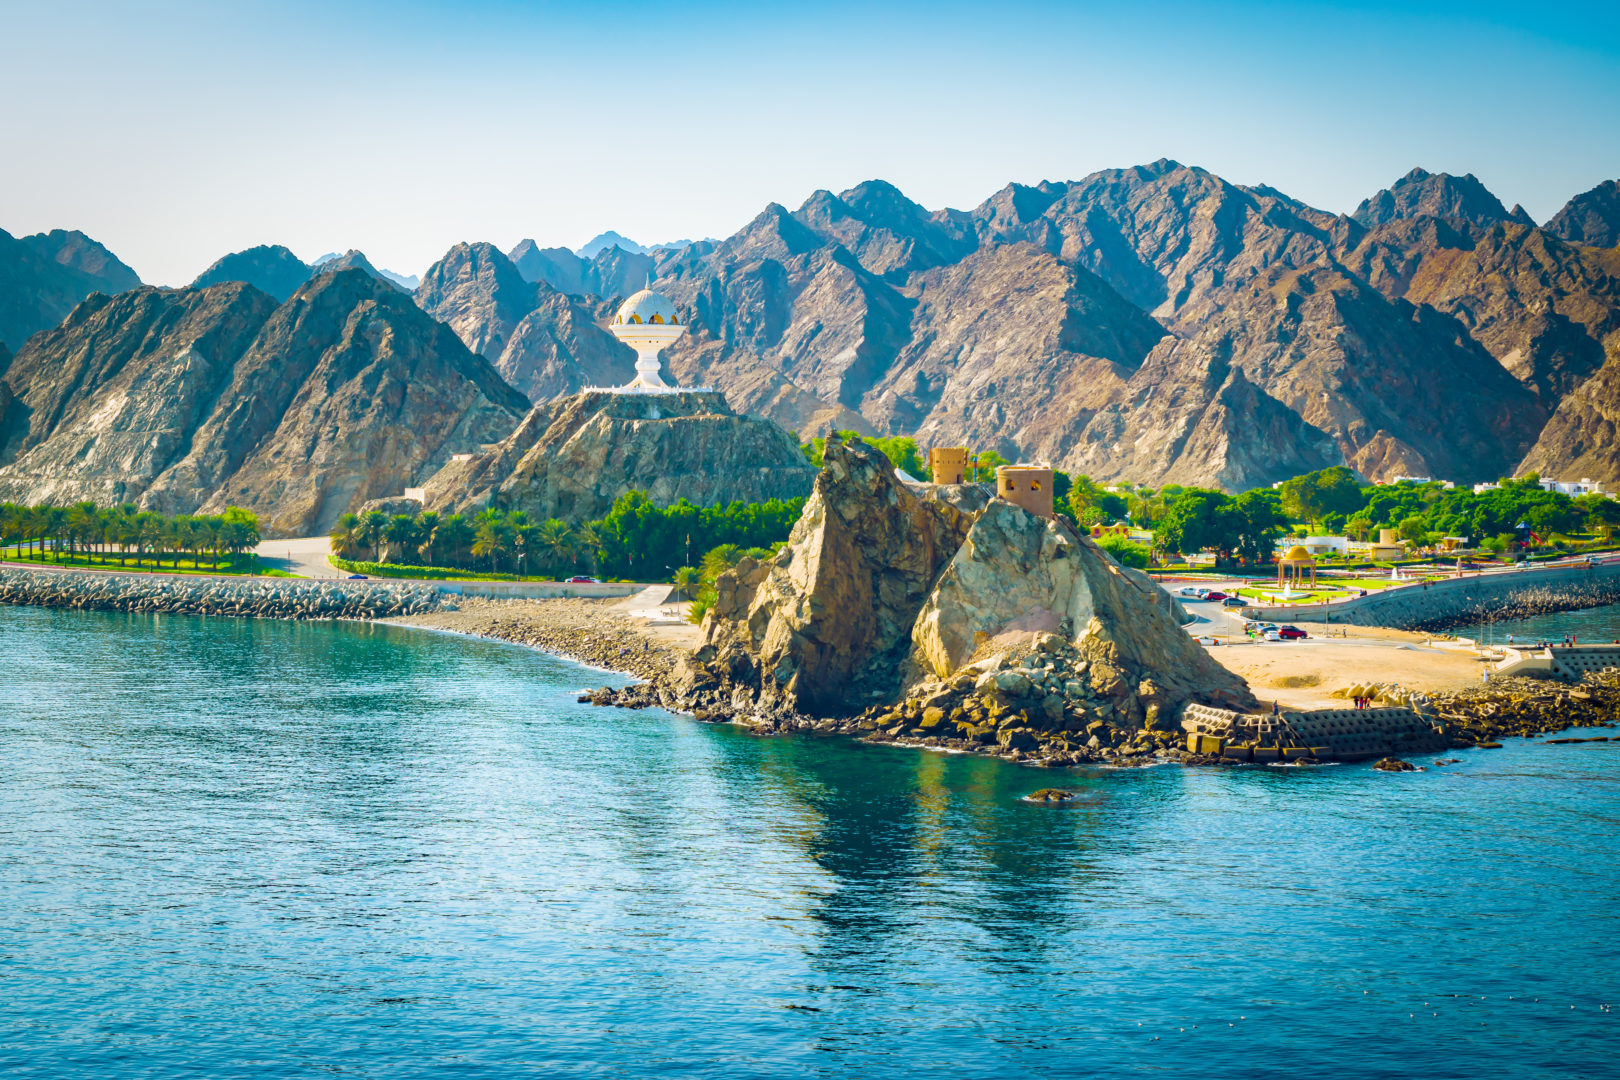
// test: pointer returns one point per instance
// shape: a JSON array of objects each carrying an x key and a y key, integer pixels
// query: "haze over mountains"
[{"x": 1154, "y": 324}]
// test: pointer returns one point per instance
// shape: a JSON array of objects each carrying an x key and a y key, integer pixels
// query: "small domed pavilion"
[{"x": 1298, "y": 560}]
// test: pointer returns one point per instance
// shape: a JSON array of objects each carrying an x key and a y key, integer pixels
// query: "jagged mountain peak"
[
  {"x": 269, "y": 267},
  {"x": 1421, "y": 192},
  {"x": 1592, "y": 217}
]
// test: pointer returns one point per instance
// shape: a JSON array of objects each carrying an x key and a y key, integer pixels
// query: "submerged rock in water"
[{"x": 1390, "y": 764}]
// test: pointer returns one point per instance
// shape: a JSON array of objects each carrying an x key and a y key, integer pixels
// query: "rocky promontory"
[{"x": 938, "y": 616}]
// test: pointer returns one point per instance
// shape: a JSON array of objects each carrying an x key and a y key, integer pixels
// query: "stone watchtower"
[
  {"x": 948, "y": 464},
  {"x": 1029, "y": 486}
]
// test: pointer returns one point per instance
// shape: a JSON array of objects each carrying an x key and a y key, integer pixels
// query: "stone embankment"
[
  {"x": 266, "y": 598},
  {"x": 1469, "y": 600}
]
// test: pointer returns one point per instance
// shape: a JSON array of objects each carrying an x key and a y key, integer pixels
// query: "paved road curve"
[{"x": 305, "y": 556}]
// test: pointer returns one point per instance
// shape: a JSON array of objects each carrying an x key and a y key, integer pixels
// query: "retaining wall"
[{"x": 1413, "y": 606}]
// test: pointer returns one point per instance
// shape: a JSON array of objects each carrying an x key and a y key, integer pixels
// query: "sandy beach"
[{"x": 1304, "y": 674}]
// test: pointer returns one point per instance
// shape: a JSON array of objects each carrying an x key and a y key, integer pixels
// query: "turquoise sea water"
[
  {"x": 1598, "y": 625},
  {"x": 242, "y": 849}
]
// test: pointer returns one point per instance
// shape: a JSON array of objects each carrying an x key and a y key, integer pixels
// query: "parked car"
[
  {"x": 1202, "y": 594},
  {"x": 581, "y": 579},
  {"x": 1233, "y": 602},
  {"x": 1273, "y": 635},
  {"x": 1215, "y": 594},
  {"x": 358, "y": 577},
  {"x": 1291, "y": 633},
  {"x": 1187, "y": 590},
  {"x": 1205, "y": 639}
]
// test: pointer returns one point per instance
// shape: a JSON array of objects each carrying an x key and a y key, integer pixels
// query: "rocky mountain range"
[
  {"x": 1154, "y": 324},
  {"x": 44, "y": 275},
  {"x": 198, "y": 398}
]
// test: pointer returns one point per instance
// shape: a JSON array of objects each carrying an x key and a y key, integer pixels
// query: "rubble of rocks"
[
  {"x": 266, "y": 598},
  {"x": 1482, "y": 716},
  {"x": 585, "y": 630}
]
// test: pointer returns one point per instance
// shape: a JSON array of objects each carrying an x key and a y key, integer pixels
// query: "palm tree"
[
  {"x": 719, "y": 560},
  {"x": 401, "y": 535},
  {"x": 588, "y": 541},
  {"x": 494, "y": 539},
  {"x": 427, "y": 524},
  {"x": 454, "y": 534},
  {"x": 54, "y": 521},
  {"x": 557, "y": 543},
  {"x": 346, "y": 535},
  {"x": 373, "y": 529}
]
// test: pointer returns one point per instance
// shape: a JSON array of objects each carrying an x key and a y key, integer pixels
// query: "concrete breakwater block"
[{"x": 274, "y": 598}]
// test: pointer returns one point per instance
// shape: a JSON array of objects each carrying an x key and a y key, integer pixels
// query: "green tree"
[
  {"x": 1124, "y": 552},
  {"x": 345, "y": 536},
  {"x": 1310, "y": 497},
  {"x": 372, "y": 531},
  {"x": 427, "y": 527},
  {"x": 400, "y": 532}
]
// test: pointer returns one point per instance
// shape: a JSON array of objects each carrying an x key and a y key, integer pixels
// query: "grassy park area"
[{"x": 245, "y": 564}]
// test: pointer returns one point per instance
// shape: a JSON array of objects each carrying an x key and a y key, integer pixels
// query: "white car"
[
  {"x": 1272, "y": 635},
  {"x": 1188, "y": 590},
  {"x": 1205, "y": 639}
]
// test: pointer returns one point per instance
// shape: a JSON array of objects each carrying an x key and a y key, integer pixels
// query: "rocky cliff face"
[
  {"x": 1583, "y": 436},
  {"x": 573, "y": 457},
  {"x": 1544, "y": 308},
  {"x": 109, "y": 400},
  {"x": 271, "y": 269},
  {"x": 884, "y": 593},
  {"x": 368, "y": 395},
  {"x": 1331, "y": 372},
  {"x": 1592, "y": 217},
  {"x": 43, "y": 276},
  {"x": 187, "y": 398}
]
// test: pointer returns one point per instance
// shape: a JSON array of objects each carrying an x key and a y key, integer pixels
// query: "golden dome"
[{"x": 1297, "y": 554}]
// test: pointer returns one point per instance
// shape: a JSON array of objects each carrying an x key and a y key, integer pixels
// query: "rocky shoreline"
[
  {"x": 587, "y": 631},
  {"x": 244, "y": 597}
]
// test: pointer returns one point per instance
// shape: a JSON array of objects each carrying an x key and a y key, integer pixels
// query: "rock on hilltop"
[
  {"x": 573, "y": 457},
  {"x": 884, "y": 594}
]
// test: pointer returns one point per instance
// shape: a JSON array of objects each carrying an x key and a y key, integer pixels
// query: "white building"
[{"x": 1584, "y": 486}]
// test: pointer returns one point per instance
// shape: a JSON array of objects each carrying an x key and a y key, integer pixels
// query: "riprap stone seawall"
[
  {"x": 1441, "y": 605},
  {"x": 265, "y": 598}
]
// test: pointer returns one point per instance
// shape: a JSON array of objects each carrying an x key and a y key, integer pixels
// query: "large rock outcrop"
[
  {"x": 939, "y": 598},
  {"x": 572, "y": 458}
]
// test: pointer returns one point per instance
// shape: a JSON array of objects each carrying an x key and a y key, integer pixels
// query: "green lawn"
[
  {"x": 249, "y": 565},
  {"x": 426, "y": 573}
]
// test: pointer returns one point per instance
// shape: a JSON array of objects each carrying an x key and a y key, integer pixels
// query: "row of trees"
[
  {"x": 85, "y": 532},
  {"x": 636, "y": 539}
]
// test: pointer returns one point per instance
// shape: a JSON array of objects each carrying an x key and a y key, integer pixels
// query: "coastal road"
[{"x": 305, "y": 556}]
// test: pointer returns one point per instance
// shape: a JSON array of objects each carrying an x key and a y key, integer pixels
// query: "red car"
[
  {"x": 1291, "y": 633},
  {"x": 580, "y": 580},
  {"x": 1216, "y": 596}
]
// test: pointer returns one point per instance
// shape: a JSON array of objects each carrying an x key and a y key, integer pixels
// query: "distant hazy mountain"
[
  {"x": 353, "y": 259},
  {"x": 43, "y": 276},
  {"x": 268, "y": 268}
]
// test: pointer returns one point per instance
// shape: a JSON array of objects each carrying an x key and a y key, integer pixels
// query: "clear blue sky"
[{"x": 175, "y": 132}]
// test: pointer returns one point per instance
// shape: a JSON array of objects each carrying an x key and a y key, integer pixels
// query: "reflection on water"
[
  {"x": 1599, "y": 624},
  {"x": 246, "y": 849}
]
